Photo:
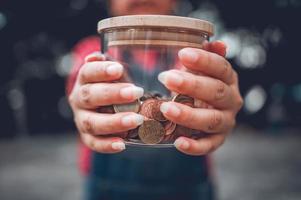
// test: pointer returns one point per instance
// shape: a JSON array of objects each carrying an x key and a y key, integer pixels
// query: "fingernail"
[
  {"x": 131, "y": 92},
  {"x": 94, "y": 55},
  {"x": 175, "y": 78},
  {"x": 114, "y": 69},
  {"x": 168, "y": 108},
  {"x": 118, "y": 146},
  {"x": 181, "y": 143},
  {"x": 162, "y": 77},
  {"x": 223, "y": 43},
  {"x": 132, "y": 120},
  {"x": 188, "y": 54}
]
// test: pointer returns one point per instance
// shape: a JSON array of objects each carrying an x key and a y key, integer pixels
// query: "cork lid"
[{"x": 158, "y": 21}]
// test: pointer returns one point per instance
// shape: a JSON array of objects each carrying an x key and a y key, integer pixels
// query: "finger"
[
  {"x": 95, "y": 56},
  {"x": 103, "y": 145},
  {"x": 207, "y": 120},
  {"x": 206, "y": 62},
  {"x": 210, "y": 90},
  {"x": 201, "y": 146},
  {"x": 217, "y": 47},
  {"x": 104, "y": 124},
  {"x": 101, "y": 94},
  {"x": 99, "y": 71}
]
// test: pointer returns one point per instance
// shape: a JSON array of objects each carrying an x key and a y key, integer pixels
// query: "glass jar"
[{"x": 147, "y": 45}]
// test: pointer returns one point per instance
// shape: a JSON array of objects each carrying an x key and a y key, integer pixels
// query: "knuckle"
[
  {"x": 110, "y": 125},
  {"x": 208, "y": 59},
  {"x": 91, "y": 144},
  {"x": 215, "y": 120},
  {"x": 220, "y": 92},
  {"x": 87, "y": 124},
  {"x": 100, "y": 69},
  {"x": 226, "y": 68},
  {"x": 83, "y": 72},
  {"x": 87, "y": 140},
  {"x": 197, "y": 85},
  {"x": 227, "y": 71},
  {"x": 106, "y": 94},
  {"x": 85, "y": 94},
  {"x": 240, "y": 102}
]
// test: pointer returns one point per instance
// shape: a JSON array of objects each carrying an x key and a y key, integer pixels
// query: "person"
[{"x": 116, "y": 171}]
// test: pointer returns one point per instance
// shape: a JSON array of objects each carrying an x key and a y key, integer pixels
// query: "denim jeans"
[{"x": 147, "y": 173}]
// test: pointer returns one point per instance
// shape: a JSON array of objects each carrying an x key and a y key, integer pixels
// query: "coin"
[
  {"x": 184, "y": 131},
  {"x": 128, "y": 107},
  {"x": 147, "y": 108},
  {"x": 133, "y": 133},
  {"x": 169, "y": 127},
  {"x": 156, "y": 112},
  {"x": 151, "y": 132},
  {"x": 168, "y": 139},
  {"x": 184, "y": 99}
]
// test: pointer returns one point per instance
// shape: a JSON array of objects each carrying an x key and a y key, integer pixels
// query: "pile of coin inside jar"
[{"x": 155, "y": 128}]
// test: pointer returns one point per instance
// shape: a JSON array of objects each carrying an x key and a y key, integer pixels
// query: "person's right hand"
[{"x": 93, "y": 89}]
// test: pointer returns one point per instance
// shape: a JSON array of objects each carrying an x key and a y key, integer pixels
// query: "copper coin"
[
  {"x": 169, "y": 127},
  {"x": 168, "y": 138},
  {"x": 147, "y": 108},
  {"x": 151, "y": 132},
  {"x": 133, "y": 133},
  {"x": 156, "y": 112},
  {"x": 186, "y": 132},
  {"x": 184, "y": 99},
  {"x": 128, "y": 107}
]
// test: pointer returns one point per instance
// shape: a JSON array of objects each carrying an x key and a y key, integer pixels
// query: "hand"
[
  {"x": 209, "y": 78},
  {"x": 94, "y": 88}
]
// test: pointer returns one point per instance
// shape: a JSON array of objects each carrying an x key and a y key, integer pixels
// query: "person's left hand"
[{"x": 209, "y": 78}]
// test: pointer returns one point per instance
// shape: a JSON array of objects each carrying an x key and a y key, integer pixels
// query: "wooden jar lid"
[{"x": 156, "y": 21}]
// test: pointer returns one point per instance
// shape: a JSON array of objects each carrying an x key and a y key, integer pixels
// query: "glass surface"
[{"x": 144, "y": 53}]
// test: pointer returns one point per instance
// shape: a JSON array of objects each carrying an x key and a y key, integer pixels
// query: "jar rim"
[{"x": 157, "y": 21}]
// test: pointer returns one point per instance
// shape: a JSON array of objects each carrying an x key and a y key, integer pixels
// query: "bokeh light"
[{"x": 255, "y": 99}]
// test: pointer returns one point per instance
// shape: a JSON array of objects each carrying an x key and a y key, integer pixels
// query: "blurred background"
[{"x": 261, "y": 159}]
